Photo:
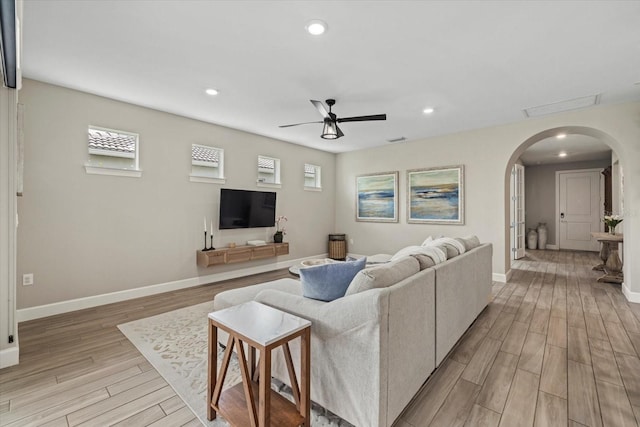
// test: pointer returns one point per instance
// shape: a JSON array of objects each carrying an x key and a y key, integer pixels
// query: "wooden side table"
[
  {"x": 263, "y": 328},
  {"x": 611, "y": 263}
]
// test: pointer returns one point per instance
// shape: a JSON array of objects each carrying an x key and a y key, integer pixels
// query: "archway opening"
[{"x": 510, "y": 225}]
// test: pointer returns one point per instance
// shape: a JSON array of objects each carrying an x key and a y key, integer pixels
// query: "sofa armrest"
[{"x": 329, "y": 319}]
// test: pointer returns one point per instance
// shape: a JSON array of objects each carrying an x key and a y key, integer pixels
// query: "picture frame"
[
  {"x": 436, "y": 195},
  {"x": 377, "y": 197}
]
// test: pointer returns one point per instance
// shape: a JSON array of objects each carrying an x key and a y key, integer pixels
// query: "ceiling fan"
[{"x": 330, "y": 130}]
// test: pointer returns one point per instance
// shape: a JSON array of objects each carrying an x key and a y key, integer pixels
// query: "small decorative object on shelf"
[
  {"x": 211, "y": 236},
  {"x": 612, "y": 221},
  {"x": 205, "y": 235},
  {"x": 279, "y": 234}
]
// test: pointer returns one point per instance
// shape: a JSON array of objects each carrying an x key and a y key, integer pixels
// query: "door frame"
[
  {"x": 518, "y": 242},
  {"x": 557, "y": 208}
]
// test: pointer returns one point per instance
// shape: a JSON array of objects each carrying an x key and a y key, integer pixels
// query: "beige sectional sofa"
[{"x": 374, "y": 348}]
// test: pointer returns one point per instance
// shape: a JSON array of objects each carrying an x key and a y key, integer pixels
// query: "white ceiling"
[
  {"x": 478, "y": 64},
  {"x": 579, "y": 148}
]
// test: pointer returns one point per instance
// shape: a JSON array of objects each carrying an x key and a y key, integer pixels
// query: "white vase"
[
  {"x": 542, "y": 235},
  {"x": 532, "y": 239}
]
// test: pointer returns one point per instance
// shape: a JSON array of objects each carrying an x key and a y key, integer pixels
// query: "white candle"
[
  {"x": 211, "y": 228},
  {"x": 205, "y": 224}
]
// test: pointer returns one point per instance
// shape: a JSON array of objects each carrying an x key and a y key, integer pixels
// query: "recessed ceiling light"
[
  {"x": 428, "y": 110},
  {"x": 562, "y": 154},
  {"x": 211, "y": 92},
  {"x": 316, "y": 27},
  {"x": 561, "y": 135}
]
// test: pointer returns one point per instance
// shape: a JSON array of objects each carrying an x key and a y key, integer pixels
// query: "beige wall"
[
  {"x": 488, "y": 155},
  {"x": 86, "y": 235},
  {"x": 540, "y": 192}
]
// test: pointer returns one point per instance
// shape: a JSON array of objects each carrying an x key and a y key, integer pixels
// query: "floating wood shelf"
[{"x": 241, "y": 254}]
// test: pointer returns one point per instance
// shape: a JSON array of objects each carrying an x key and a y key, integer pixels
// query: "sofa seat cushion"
[
  {"x": 385, "y": 275},
  {"x": 328, "y": 282},
  {"x": 241, "y": 295}
]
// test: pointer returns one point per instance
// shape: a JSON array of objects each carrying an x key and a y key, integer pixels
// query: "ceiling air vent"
[
  {"x": 557, "y": 107},
  {"x": 394, "y": 140}
]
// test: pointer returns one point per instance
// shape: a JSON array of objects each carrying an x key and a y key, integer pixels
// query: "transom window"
[
  {"x": 268, "y": 170},
  {"x": 312, "y": 177},
  {"x": 207, "y": 164},
  {"x": 112, "y": 152}
]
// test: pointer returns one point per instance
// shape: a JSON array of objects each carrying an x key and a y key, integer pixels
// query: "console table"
[
  {"x": 263, "y": 328},
  {"x": 611, "y": 263},
  {"x": 240, "y": 254}
]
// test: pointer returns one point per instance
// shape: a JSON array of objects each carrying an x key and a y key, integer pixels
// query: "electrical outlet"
[
  {"x": 27, "y": 279},
  {"x": 351, "y": 241}
]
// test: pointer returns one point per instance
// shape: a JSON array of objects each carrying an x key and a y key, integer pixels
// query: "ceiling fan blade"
[
  {"x": 320, "y": 107},
  {"x": 298, "y": 124},
  {"x": 340, "y": 134},
  {"x": 362, "y": 118}
]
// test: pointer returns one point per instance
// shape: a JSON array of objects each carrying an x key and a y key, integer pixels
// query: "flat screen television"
[{"x": 247, "y": 209}]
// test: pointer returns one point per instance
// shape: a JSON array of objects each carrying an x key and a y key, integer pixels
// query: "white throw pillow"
[{"x": 427, "y": 241}]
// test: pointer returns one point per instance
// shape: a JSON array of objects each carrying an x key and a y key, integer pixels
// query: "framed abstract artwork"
[
  {"x": 377, "y": 197},
  {"x": 436, "y": 195}
]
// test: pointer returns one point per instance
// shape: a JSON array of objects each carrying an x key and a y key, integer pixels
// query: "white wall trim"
[
  {"x": 499, "y": 277},
  {"x": 630, "y": 295},
  {"x": 206, "y": 179},
  {"x": 46, "y": 310},
  {"x": 100, "y": 170},
  {"x": 9, "y": 357},
  {"x": 552, "y": 247}
]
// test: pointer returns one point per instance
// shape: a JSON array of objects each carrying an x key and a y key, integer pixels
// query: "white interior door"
[
  {"x": 579, "y": 209},
  {"x": 518, "y": 220}
]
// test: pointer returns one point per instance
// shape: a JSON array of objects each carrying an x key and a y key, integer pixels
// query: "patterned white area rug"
[{"x": 176, "y": 344}]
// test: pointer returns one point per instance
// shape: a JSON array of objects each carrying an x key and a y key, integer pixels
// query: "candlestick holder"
[
  {"x": 205, "y": 242},
  {"x": 211, "y": 248}
]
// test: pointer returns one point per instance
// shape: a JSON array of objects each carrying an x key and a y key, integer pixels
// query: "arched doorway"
[{"x": 518, "y": 152}]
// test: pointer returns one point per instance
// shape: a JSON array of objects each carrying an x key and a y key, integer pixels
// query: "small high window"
[
  {"x": 112, "y": 152},
  {"x": 268, "y": 171},
  {"x": 312, "y": 177},
  {"x": 207, "y": 164}
]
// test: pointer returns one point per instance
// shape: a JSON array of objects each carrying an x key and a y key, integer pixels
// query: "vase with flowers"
[
  {"x": 281, "y": 230},
  {"x": 612, "y": 221}
]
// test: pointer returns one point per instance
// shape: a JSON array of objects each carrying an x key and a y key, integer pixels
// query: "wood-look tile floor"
[{"x": 553, "y": 348}]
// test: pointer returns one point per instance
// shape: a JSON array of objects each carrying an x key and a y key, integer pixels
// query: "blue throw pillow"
[{"x": 329, "y": 281}]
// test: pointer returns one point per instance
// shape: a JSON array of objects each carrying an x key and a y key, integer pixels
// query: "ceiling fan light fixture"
[
  {"x": 316, "y": 27},
  {"x": 329, "y": 130}
]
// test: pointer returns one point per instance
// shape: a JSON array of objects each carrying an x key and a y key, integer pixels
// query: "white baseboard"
[
  {"x": 500, "y": 277},
  {"x": 630, "y": 295},
  {"x": 46, "y": 310},
  {"x": 552, "y": 247},
  {"x": 9, "y": 357}
]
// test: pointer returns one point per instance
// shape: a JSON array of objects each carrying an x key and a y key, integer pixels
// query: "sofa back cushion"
[
  {"x": 469, "y": 242},
  {"x": 382, "y": 276},
  {"x": 329, "y": 281},
  {"x": 425, "y": 261}
]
